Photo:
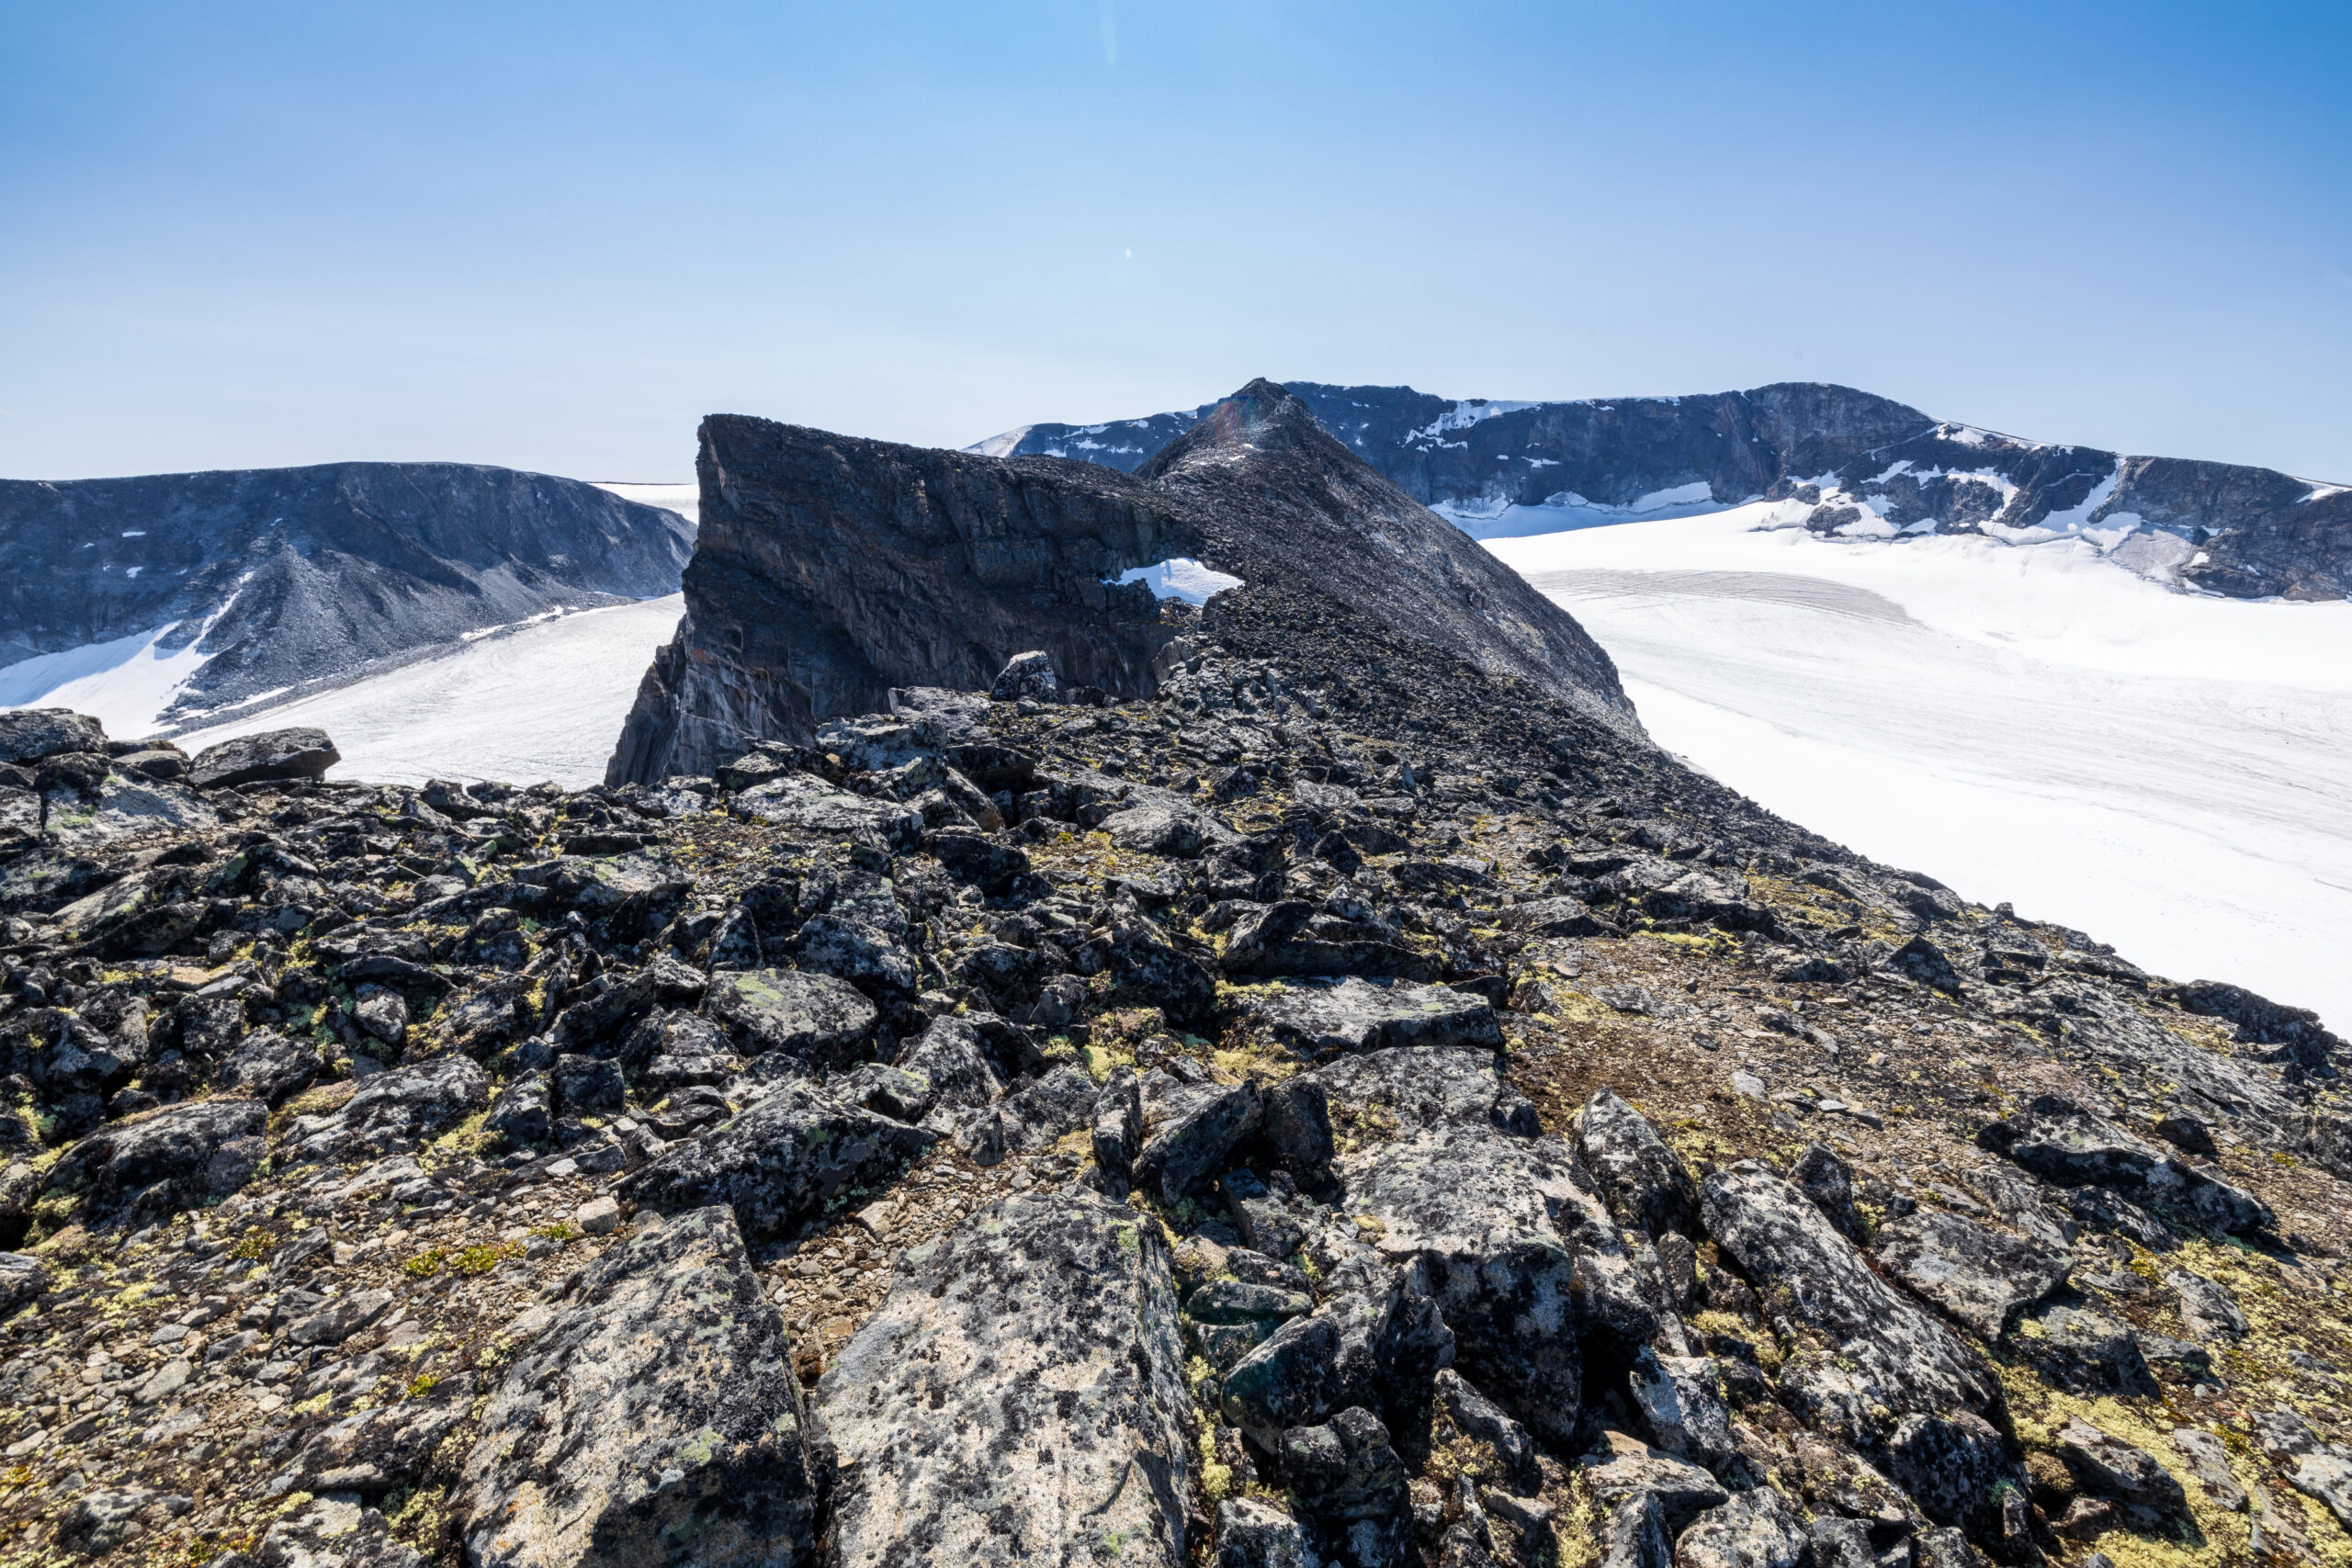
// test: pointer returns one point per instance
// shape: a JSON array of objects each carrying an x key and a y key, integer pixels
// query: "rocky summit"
[{"x": 1340, "y": 1103}]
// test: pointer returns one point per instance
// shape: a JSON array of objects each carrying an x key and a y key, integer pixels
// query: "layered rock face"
[
  {"x": 282, "y": 577},
  {"x": 831, "y": 571},
  {"x": 1856, "y": 465}
]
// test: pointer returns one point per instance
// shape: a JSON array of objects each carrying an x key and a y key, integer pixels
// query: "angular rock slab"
[
  {"x": 1972, "y": 1272},
  {"x": 1018, "y": 1398},
  {"x": 1873, "y": 1356},
  {"x": 152, "y": 1168},
  {"x": 809, "y": 804},
  {"x": 1644, "y": 1178},
  {"x": 2068, "y": 1147},
  {"x": 780, "y": 1162},
  {"x": 1356, "y": 1015},
  {"x": 656, "y": 1420},
  {"x": 300, "y": 753}
]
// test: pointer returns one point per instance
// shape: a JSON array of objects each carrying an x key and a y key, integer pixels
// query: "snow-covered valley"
[
  {"x": 542, "y": 701},
  {"x": 2029, "y": 723}
]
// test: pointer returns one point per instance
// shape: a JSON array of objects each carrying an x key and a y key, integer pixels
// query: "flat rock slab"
[
  {"x": 26, "y": 735},
  {"x": 1972, "y": 1272},
  {"x": 806, "y": 802},
  {"x": 299, "y": 753},
  {"x": 1018, "y": 1398},
  {"x": 2066, "y": 1145},
  {"x": 152, "y": 1168},
  {"x": 1322, "y": 1019},
  {"x": 122, "y": 807},
  {"x": 791, "y": 1156},
  {"x": 656, "y": 1420},
  {"x": 816, "y": 1019}
]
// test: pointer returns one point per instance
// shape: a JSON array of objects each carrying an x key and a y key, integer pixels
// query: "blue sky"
[{"x": 553, "y": 236}]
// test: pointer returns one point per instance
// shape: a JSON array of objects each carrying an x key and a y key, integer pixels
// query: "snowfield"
[
  {"x": 542, "y": 701},
  {"x": 2030, "y": 722}
]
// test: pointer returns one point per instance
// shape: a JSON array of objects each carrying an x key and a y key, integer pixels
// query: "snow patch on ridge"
[{"x": 1179, "y": 577}]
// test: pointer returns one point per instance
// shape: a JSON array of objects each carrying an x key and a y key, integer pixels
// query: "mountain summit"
[{"x": 831, "y": 569}]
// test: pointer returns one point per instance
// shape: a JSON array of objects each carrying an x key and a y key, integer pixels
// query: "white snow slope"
[
  {"x": 2029, "y": 723},
  {"x": 541, "y": 702}
]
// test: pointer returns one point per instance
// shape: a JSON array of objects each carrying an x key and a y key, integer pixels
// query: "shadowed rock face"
[
  {"x": 289, "y": 576},
  {"x": 830, "y": 570}
]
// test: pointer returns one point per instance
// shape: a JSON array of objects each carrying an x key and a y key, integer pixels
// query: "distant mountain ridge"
[
  {"x": 229, "y": 586},
  {"x": 1849, "y": 463}
]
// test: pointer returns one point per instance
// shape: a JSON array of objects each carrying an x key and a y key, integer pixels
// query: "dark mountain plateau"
[
  {"x": 1861, "y": 465},
  {"x": 291, "y": 578},
  {"x": 1289, "y": 1081}
]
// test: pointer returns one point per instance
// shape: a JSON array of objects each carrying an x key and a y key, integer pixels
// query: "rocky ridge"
[
  {"x": 1348, "y": 1103},
  {"x": 1847, "y": 463},
  {"x": 286, "y": 578}
]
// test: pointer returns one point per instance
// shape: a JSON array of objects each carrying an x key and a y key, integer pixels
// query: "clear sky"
[{"x": 554, "y": 236}]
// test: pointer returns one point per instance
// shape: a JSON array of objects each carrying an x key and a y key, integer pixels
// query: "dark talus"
[{"x": 293, "y": 577}]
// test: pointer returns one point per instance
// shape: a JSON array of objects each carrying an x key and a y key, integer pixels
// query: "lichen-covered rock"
[
  {"x": 1977, "y": 1275},
  {"x": 1829, "y": 1182},
  {"x": 655, "y": 1421},
  {"x": 269, "y": 1067},
  {"x": 2106, "y": 1466},
  {"x": 850, "y": 950},
  {"x": 1032, "y": 1117},
  {"x": 1189, "y": 1131},
  {"x": 1681, "y": 1399},
  {"x": 791, "y": 1156},
  {"x": 100, "y": 1520},
  {"x": 2083, "y": 1350},
  {"x": 392, "y": 1111},
  {"x": 2065, "y": 1144},
  {"x": 1643, "y": 1178},
  {"x": 1482, "y": 1419},
  {"x": 1331, "y": 1018},
  {"x": 949, "y": 1054},
  {"x": 813, "y": 1019},
  {"x": 1253, "y": 1533},
  {"x": 1755, "y": 1528},
  {"x": 1148, "y": 970},
  {"x": 805, "y": 802},
  {"x": 373, "y": 1451},
  {"x": 1504, "y": 1230},
  {"x": 1312, "y": 1368},
  {"x": 1619, "y": 1468},
  {"x": 1956, "y": 1469},
  {"x": 1866, "y": 1357},
  {"x": 1018, "y": 1397},
  {"x": 28, "y": 735},
  {"x": 149, "y": 1170},
  {"x": 23, "y": 1277},
  {"x": 1347, "y": 1477}
]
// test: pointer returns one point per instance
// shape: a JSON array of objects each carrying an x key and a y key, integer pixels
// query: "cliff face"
[
  {"x": 830, "y": 570},
  {"x": 1863, "y": 465},
  {"x": 284, "y": 577}
]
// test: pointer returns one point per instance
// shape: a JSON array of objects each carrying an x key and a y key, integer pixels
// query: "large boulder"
[
  {"x": 656, "y": 1420},
  {"x": 789, "y": 1157},
  {"x": 814, "y": 1018},
  {"x": 144, "y": 1170},
  {"x": 2068, "y": 1147},
  {"x": 1019, "y": 1396},
  {"x": 28, "y": 735},
  {"x": 297, "y": 753},
  {"x": 1865, "y": 1356},
  {"x": 1976, "y": 1274},
  {"x": 1189, "y": 1131}
]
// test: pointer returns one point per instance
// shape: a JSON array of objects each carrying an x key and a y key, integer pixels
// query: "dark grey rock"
[
  {"x": 144, "y": 1170},
  {"x": 1644, "y": 1180},
  {"x": 393, "y": 1112},
  {"x": 1635, "y": 1537},
  {"x": 658, "y": 1408},
  {"x": 1033, "y": 1117},
  {"x": 951, "y": 1410},
  {"x": 371, "y": 1452},
  {"x": 272, "y": 755},
  {"x": 1481, "y": 1418},
  {"x": 1682, "y": 1400},
  {"x": 1298, "y": 1127},
  {"x": 1619, "y": 1468},
  {"x": 1829, "y": 1182},
  {"x": 2084, "y": 1350},
  {"x": 2067, "y": 1145},
  {"x": 2106, "y": 1466},
  {"x": 791, "y": 1156},
  {"x": 23, "y": 1277},
  {"x": 523, "y": 1111},
  {"x": 852, "y": 951},
  {"x": 812, "y": 1019},
  {"x": 1253, "y": 1533},
  {"x": 28, "y": 735},
  {"x": 1976, "y": 1275},
  {"x": 949, "y": 1054},
  {"x": 1348, "y": 1479},
  {"x": 269, "y": 1066},
  {"x": 1190, "y": 1129},
  {"x": 1155, "y": 830},
  {"x": 1955, "y": 1467},
  {"x": 2207, "y": 1307}
]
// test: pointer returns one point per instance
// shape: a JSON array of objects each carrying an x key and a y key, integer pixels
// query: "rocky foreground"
[{"x": 1262, "y": 1124}]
